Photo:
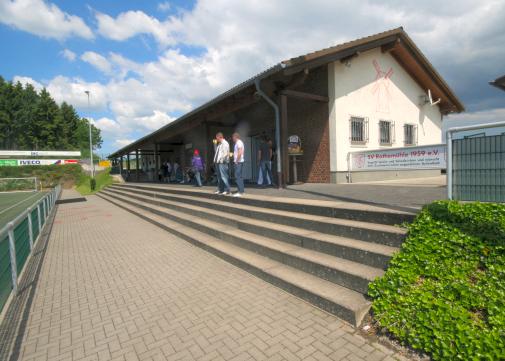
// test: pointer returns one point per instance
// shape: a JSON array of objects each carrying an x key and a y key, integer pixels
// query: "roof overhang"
[
  {"x": 499, "y": 83},
  {"x": 402, "y": 48}
]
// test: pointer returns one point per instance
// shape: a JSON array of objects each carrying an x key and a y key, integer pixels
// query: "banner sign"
[
  {"x": 40, "y": 153},
  {"x": 422, "y": 157},
  {"x": 21, "y": 162}
]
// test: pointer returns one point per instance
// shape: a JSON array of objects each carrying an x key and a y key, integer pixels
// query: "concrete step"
[
  {"x": 345, "y": 303},
  {"x": 346, "y": 273},
  {"x": 369, "y": 253},
  {"x": 365, "y": 231},
  {"x": 335, "y": 209}
]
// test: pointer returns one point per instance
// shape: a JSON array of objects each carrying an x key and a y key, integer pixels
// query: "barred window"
[
  {"x": 410, "y": 131},
  {"x": 386, "y": 132},
  {"x": 358, "y": 130}
]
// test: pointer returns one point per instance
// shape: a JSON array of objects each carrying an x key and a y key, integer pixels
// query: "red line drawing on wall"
[{"x": 381, "y": 87}]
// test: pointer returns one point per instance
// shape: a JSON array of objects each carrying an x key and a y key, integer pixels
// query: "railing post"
[
  {"x": 38, "y": 218},
  {"x": 12, "y": 253},
  {"x": 44, "y": 210},
  {"x": 30, "y": 227}
]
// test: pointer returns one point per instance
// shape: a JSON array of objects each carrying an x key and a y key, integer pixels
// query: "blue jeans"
[
  {"x": 266, "y": 171},
  {"x": 198, "y": 178},
  {"x": 223, "y": 183},
  {"x": 238, "y": 177}
]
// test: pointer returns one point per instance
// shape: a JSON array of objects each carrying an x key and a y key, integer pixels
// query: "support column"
[
  {"x": 137, "y": 165},
  {"x": 128, "y": 168},
  {"x": 121, "y": 165},
  {"x": 284, "y": 139},
  {"x": 156, "y": 161}
]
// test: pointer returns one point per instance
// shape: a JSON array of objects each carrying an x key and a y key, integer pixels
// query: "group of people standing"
[
  {"x": 171, "y": 172},
  {"x": 222, "y": 165},
  {"x": 222, "y": 160}
]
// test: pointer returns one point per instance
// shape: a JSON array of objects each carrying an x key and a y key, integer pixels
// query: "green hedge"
[
  {"x": 444, "y": 292},
  {"x": 48, "y": 175}
]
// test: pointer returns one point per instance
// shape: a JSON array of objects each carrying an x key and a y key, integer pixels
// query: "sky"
[{"x": 146, "y": 63}]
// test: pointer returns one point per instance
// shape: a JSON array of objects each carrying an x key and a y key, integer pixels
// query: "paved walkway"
[{"x": 115, "y": 287}]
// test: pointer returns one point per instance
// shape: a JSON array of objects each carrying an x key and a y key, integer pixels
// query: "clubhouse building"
[{"x": 377, "y": 92}]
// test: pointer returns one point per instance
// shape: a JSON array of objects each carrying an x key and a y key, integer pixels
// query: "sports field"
[{"x": 14, "y": 203}]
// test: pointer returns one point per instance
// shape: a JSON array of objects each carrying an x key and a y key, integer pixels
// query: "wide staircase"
[{"x": 323, "y": 252}]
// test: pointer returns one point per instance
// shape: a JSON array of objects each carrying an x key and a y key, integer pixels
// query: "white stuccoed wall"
[{"x": 353, "y": 92}]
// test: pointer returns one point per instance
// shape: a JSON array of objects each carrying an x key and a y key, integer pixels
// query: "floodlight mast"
[{"x": 92, "y": 165}]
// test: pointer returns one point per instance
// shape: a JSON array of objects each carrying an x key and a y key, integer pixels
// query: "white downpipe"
[
  {"x": 277, "y": 130},
  {"x": 349, "y": 170},
  {"x": 449, "y": 134}
]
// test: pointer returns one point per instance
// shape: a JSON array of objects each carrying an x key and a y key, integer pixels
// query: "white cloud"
[
  {"x": 27, "y": 80},
  {"x": 120, "y": 143},
  {"x": 132, "y": 23},
  {"x": 236, "y": 39},
  {"x": 72, "y": 90},
  {"x": 98, "y": 61},
  {"x": 154, "y": 121},
  {"x": 107, "y": 124},
  {"x": 164, "y": 6},
  {"x": 68, "y": 54},
  {"x": 241, "y": 38},
  {"x": 42, "y": 18},
  {"x": 472, "y": 118}
]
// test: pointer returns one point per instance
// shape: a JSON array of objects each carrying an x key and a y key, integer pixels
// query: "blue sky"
[{"x": 147, "y": 62}]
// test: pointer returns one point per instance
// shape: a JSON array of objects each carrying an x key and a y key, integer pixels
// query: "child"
[{"x": 197, "y": 165}]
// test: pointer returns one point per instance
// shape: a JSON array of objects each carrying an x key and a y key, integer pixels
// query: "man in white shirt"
[
  {"x": 221, "y": 160},
  {"x": 238, "y": 161}
]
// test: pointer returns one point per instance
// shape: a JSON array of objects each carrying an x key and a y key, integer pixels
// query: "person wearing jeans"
[
  {"x": 238, "y": 161},
  {"x": 197, "y": 165},
  {"x": 221, "y": 160},
  {"x": 264, "y": 159}
]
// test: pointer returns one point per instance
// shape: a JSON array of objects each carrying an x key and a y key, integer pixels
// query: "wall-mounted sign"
[
  {"x": 422, "y": 157},
  {"x": 21, "y": 162},
  {"x": 39, "y": 153},
  {"x": 294, "y": 144}
]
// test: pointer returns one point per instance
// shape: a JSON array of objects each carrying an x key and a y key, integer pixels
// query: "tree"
[
  {"x": 25, "y": 116},
  {"x": 83, "y": 137},
  {"x": 31, "y": 120}
]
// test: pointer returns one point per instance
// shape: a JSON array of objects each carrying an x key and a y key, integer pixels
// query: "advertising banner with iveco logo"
[
  {"x": 21, "y": 162},
  {"x": 422, "y": 157}
]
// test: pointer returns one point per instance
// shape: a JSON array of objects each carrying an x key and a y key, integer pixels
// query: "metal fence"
[
  {"x": 17, "y": 240},
  {"x": 478, "y": 170}
]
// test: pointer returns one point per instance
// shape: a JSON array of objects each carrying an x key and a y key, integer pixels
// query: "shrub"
[
  {"x": 87, "y": 185},
  {"x": 48, "y": 175},
  {"x": 444, "y": 292}
]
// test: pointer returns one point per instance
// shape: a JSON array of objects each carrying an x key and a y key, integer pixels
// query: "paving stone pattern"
[{"x": 115, "y": 287}]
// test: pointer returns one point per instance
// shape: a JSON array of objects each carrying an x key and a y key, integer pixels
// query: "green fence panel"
[
  {"x": 479, "y": 169},
  {"x": 22, "y": 242},
  {"x": 35, "y": 224},
  {"x": 5, "y": 272}
]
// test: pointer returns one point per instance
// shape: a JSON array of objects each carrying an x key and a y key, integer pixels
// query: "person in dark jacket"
[{"x": 197, "y": 165}]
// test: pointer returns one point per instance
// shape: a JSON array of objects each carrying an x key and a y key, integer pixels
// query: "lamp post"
[{"x": 90, "y": 142}]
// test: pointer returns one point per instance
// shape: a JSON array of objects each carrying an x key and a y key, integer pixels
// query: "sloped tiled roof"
[{"x": 318, "y": 58}]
